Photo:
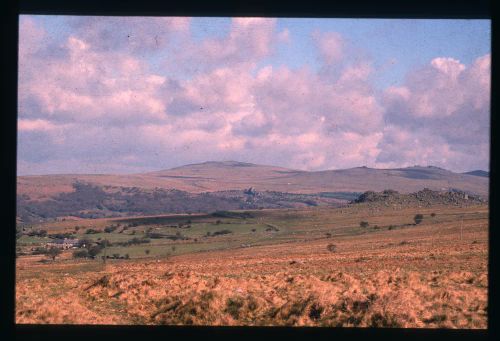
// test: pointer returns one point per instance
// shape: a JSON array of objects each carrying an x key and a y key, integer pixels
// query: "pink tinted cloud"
[
  {"x": 330, "y": 46},
  {"x": 228, "y": 109}
]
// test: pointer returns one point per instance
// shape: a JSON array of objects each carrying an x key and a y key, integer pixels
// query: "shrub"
[
  {"x": 272, "y": 228},
  {"x": 91, "y": 231},
  {"x": 38, "y": 233},
  {"x": 253, "y": 230},
  {"x": 61, "y": 235},
  {"x": 328, "y": 234},
  {"x": 147, "y": 251},
  {"x": 80, "y": 253},
  {"x": 433, "y": 214},
  {"x": 53, "y": 252},
  {"x": 418, "y": 218},
  {"x": 86, "y": 242},
  {"x": 127, "y": 256},
  {"x": 221, "y": 232},
  {"x": 315, "y": 311},
  {"x": 364, "y": 224},
  {"x": 252, "y": 303},
  {"x": 331, "y": 247},
  {"x": 109, "y": 229},
  {"x": 94, "y": 250},
  {"x": 233, "y": 306},
  {"x": 154, "y": 235}
]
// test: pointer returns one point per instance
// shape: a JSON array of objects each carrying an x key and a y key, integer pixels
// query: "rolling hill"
[
  {"x": 232, "y": 175},
  {"x": 210, "y": 186}
]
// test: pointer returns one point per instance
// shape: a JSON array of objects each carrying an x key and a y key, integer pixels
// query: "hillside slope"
[{"x": 231, "y": 175}]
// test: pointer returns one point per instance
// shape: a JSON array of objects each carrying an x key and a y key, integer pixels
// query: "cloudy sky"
[{"x": 125, "y": 95}]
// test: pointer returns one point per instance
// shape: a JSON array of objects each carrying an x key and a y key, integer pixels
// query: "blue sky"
[{"x": 326, "y": 93}]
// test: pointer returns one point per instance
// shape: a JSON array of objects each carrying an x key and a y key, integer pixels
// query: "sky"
[{"x": 137, "y": 94}]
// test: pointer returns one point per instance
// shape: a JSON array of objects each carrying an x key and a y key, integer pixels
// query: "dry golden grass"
[{"x": 420, "y": 276}]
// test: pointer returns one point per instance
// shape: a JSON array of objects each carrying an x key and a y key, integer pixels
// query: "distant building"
[{"x": 64, "y": 244}]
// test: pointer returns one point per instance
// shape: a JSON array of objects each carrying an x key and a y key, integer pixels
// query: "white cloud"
[{"x": 106, "y": 106}]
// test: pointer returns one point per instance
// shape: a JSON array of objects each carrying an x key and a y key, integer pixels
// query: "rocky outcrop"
[{"x": 425, "y": 197}]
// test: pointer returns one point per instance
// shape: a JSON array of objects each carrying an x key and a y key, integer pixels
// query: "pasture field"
[{"x": 300, "y": 267}]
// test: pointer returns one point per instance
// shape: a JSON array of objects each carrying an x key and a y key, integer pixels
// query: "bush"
[
  {"x": 91, "y": 231},
  {"x": 61, "y": 235},
  {"x": 147, "y": 251},
  {"x": 315, "y": 311},
  {"x": 86, "y": 242},
  {"x": 221, "y": 232},
  {"x": 433, "y": 214},
  {"x": 38, "y": 233},
  {"x": 80, "y": 253},
  {"x": 53, "y": 252},
  {"x": 109, "y": 229},
  {"x": 364, "y": 224},
  {"x": 94, "y": 250},
  {"x": 233, "y": 306},
  {"x": 154, "y": 235},
  {"x": 331, "y": 247},
  {"x": 418, "y": 218},
  {"x": 127, "y": 256}
]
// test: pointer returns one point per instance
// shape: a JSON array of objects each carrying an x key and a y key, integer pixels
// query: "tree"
[
  {"x": 94, "y": 250},
  {"x": 418, "y": 218},
  {"x": 53, "y": 252},
  {"x": 86, "y": 243},
  {"x": 80, "y": 253}
]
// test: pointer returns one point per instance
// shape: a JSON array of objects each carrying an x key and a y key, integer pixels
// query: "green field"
[{"x": 246, "y": 229}]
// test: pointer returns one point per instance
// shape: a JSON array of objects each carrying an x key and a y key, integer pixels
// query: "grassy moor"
[{"x": 300, "y": 267}]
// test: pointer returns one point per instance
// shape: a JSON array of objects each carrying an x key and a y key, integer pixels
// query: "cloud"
[
  {"x": 330, "y": 46},
  {"x": 445, "y": 107},
  {"x": 104, "y": 101},
  {"x": 248, "y": 41},
  {"x": 134, "y": 35}
]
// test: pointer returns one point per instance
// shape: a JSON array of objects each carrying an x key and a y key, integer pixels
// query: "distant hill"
[
  {"x": 223, "y": 185},
  {"x": 232, "y": 175},
  {"x": 478, "y": 173}
]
